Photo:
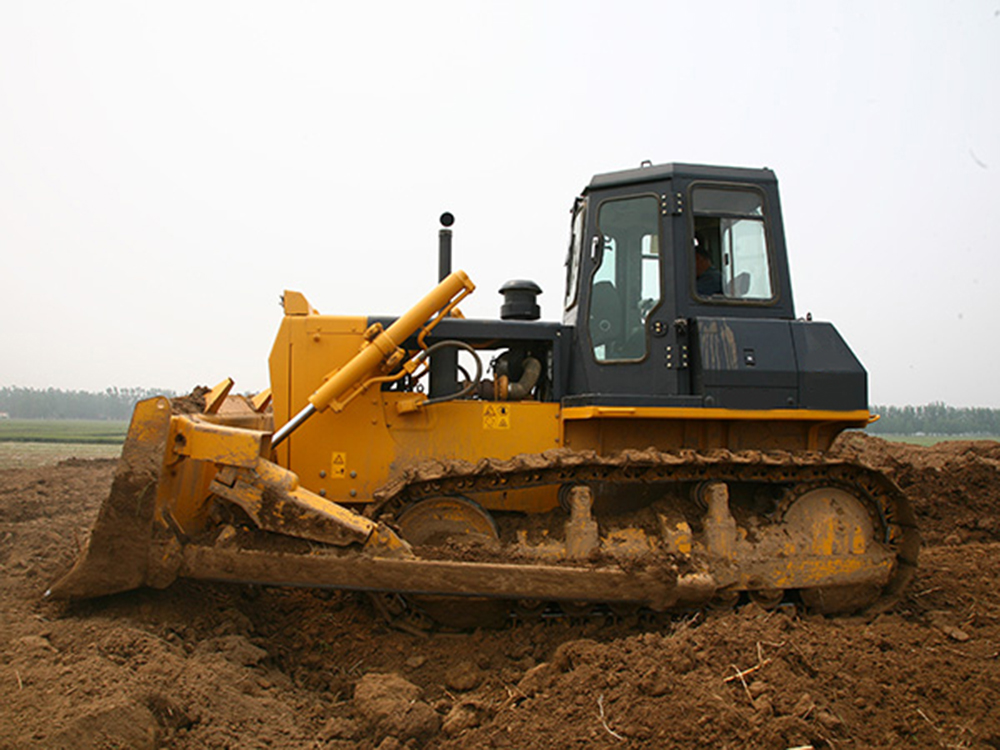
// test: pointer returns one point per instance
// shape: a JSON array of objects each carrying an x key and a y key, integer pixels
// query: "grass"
[
  {"x": 22, "y": 455},
  {"x": 29, "y": 443},
  {"x": 933, "y": 439},
  {"x": 77, "y": 431}
]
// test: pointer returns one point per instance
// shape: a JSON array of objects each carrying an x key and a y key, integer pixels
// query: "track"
[{"x": 781, "y": 477}]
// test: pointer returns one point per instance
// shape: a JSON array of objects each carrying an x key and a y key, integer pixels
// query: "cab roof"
[{"x": 659, "y": 172}]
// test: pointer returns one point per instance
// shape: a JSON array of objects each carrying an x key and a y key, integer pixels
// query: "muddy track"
[{"x": 799, "y": 471}]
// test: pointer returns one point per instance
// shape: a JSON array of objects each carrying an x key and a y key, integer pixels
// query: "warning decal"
[
  {"x": 496, "y": 417},
  {"x": 338, "y": 465}
]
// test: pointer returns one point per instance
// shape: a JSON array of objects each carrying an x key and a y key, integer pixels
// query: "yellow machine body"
[{"x": 346, "y": 455}]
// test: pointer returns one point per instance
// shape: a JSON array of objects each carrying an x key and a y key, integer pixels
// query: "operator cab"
[{"x": 678, "y": 294}]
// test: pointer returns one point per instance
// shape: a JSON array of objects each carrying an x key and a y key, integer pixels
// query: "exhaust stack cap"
[{"x": 519, "y": 300}]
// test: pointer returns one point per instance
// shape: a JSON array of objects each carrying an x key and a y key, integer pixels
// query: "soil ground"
[{"x": 201, "y": 665}]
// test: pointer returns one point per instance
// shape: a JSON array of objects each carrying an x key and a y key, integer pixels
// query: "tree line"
[
  {"x": 53, "y": 403},
  {"x": 935, "y": 419}
]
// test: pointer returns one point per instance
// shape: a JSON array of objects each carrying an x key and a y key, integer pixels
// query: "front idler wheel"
[{"x": 448, "y": 527}]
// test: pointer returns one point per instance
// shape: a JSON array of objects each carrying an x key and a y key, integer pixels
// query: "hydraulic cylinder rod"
[{"x": 366, "y": 363}]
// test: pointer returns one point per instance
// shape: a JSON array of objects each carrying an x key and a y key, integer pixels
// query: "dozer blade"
[
  {"x": 172, "y": 469},
  {"x": 117, "y": 554}
]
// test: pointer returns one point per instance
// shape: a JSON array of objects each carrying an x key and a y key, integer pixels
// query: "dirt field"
[{"x": 202, "y": 665}]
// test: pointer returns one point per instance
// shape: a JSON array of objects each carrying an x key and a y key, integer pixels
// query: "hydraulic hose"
[
  {"x": 470, "y": 385},
  {"x": 532, "y": 369}
]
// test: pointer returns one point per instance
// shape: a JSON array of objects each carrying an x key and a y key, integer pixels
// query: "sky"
[{"x": 168, "y": 169}]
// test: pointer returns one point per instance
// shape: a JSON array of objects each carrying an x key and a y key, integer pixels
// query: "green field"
[
  {"x": 933, "y": 439},
  {"x": 106, "y": 432},
  {"x": 28, "y": 443},
  {"x": 19, "y": 455}
]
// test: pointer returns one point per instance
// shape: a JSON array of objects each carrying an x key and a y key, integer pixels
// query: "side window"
[
  {"x": 575, "y": 251},
  {"x": 730, "y": 255},
  {"x": 625, "y": 286}
]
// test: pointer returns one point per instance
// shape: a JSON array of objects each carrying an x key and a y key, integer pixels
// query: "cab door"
[{"x": 627, "y": 348}]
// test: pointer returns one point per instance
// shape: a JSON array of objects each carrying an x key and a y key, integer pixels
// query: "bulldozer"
[{"x": 664, "y": 447}]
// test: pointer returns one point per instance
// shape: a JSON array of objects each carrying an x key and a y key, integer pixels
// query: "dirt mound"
[
  {"x": 192, "y": 403},
  {"x": 201, "y": 665},
  {"x": 954, "y": 486}
]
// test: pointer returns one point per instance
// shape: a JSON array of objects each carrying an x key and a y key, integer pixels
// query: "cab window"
[
  {"x": 730, "y": 258},
  {"x": 575, "y": 251},
  {"x": 625, "y": 286}
]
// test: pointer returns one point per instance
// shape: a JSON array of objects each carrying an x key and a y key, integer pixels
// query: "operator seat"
[
  {"x": 606, "y": 319},
  {"x": 739, "y": 286}
]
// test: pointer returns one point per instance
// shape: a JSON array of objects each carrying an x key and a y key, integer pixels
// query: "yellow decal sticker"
[
  {"x": 338, "y": 465},
  {"x": 496, "y": 417}
]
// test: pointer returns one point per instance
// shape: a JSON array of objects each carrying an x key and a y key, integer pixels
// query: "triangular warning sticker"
[{"x": 338, "y": 465}]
